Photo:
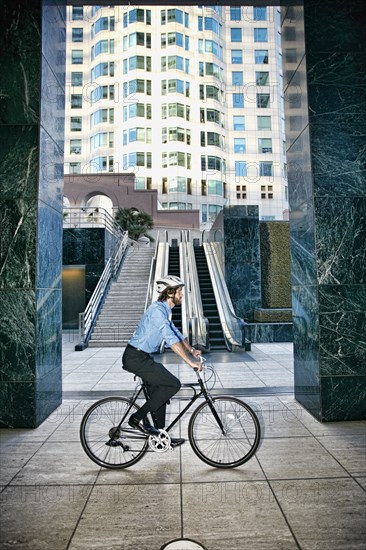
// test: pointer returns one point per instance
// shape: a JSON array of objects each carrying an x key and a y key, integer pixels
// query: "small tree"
[{"x": 136, "y": 223}]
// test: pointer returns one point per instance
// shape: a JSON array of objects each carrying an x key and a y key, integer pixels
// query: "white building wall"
[{"x": 110, "y": 152}]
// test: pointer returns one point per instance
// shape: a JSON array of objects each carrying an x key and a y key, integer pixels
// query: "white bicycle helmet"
[{"x": 168, "y": 281}]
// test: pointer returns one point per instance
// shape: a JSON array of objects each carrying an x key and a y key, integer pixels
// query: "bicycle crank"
[{"x": 160, "y": 443}]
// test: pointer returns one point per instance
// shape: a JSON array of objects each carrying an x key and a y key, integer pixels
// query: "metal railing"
[
  {"x": 161, "y": 237},
  {"x": 90, "y": 217},
  {"x": 233, "y": 327},
  {"x": 195, "y": 324},
  {"x": 88, "y": 317}
]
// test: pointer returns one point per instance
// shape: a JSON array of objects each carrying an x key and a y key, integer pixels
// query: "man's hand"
[
  {"x": 197, "y": 365},
  {"x": 196, "y": 353}
]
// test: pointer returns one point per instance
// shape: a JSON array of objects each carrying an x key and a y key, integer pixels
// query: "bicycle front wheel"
[
  {"x": 230, "y": 446},
  {"x": 104, "y": 442}
]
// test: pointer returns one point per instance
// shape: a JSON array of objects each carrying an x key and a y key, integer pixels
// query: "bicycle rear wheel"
[
  {"x": 241, "y": 434},
  {"x": 105, "y": 443}
]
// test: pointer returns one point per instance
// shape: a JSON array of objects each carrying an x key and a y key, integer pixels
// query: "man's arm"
[
  {"x": 195, "y": 352},
  {"x": 180, "y": 349}
]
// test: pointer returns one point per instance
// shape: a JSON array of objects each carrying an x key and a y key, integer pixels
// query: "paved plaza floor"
[{"x": 304, "y": 489}]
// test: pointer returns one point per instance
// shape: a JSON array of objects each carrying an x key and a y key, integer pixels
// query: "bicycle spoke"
[{"x": 241, "y": 432}]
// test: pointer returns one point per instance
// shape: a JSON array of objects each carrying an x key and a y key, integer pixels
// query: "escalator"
[
  {"x": 174, "y": 269},
  {"x": 216, "y": 335}
]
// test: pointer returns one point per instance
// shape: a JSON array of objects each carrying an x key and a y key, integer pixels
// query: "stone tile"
[
  {"x": 58, "y": 464},
  {"x": 296, "y": 458},
  {"x": 197, "y": 471},
  {"x": 116, "y": 509},
  {"x": 326, "y": 514},
  {"x": 37, "y": 516},
  {"x": 362, "y": 481},
  {"x": 348, "y": 450},
  {"x": 234, "y": 515},
  {"x": 153, "y": 468},
  {"x": 356, "y": 428}
]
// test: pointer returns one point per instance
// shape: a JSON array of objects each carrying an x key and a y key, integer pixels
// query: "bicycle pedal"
[{"x": 160, "y": 443}]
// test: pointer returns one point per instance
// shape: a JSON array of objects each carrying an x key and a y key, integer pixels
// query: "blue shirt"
[{"x": 154, "y": 327}]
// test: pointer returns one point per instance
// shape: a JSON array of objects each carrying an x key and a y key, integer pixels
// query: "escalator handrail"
[
  {"x": 196, "y": 305},
  {"x": 233, "y": 327}
]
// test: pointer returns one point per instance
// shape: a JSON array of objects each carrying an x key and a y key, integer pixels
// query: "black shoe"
[
  {"x": 143, "y": 426},
  {"x": 175, "y": 442}
]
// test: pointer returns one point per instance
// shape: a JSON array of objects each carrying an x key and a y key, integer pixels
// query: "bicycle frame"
[{"x": 196, "y": 395}]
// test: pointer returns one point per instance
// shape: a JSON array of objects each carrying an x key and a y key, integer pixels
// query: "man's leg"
[{"x": 162, "y": 385}]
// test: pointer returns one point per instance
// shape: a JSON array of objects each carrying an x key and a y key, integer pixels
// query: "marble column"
[
  {"x": 324, "y": 82},
  {"x": 31, "y": 174},
  {"x": 242, "y": 258}
]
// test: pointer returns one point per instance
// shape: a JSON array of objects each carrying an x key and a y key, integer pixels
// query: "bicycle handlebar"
[{"x": 202, "y": 360}]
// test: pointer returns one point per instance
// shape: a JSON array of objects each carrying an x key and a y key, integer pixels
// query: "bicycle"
[{"x": 223, "y": 431}]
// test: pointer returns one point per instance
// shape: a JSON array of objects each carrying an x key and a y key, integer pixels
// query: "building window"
[
  {"x": 136, "y": 110},
  {"x": 239, "y": 122},
  {"x": 261, "y": 78},
  {"x": 237, "y": 78},
  {"x": 261, "y": 57},
  {"x": 77, "y": 57},
  {"x": 77, "y": 13},
  {"x": 239, "y": 145},
  {"x": 215, "y": 187},
  {"x": 238, "y": 101},
  {"x": 103, "y": 24},
  {"x": 75, "y": 124},
  {"x": 236, "y": 57},
  {"x": 259, "y": 13},
  {"x": 236, "y": 35},
  {"x": 263, "y": 101},
  {"x": 235, "y": 13},
  {"x": 137, "y": 159},
  {"x": 177, "y": 185},
  {"x": 264, "y": 122},
  {"x": 75, "y": 168},
  {"x": 75, "y": 146},
  {"x": 76, "y": 35},
  {"x": 265, "y": 145},
  {"x": 172, "y": 15},
  {"x": 76, "y": 101},
  {"x": 76, "y": 79},
  {"x": 266, "y": 169},
  {"x": 240, "y": 168},
  {"x": 136, "y": 86},
  {"x": 102, "y": 69},
  {"x": 137, "y": 15},
  {"x": 260, "y": 35}
]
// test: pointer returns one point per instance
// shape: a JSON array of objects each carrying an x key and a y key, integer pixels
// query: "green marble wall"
[
  {"x": 325, "y": 129},
  {"x": 90, "y": 247},
  {"x": 31, "y": 179}
]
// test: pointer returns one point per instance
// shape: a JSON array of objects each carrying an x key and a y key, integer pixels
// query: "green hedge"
[{"x": 275, "y": 264}]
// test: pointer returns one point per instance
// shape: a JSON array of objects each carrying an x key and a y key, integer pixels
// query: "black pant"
[{"x": 161, "y": 384}]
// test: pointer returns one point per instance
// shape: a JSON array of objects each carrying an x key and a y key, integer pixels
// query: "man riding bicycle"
[{"x": 154, "y": 327}]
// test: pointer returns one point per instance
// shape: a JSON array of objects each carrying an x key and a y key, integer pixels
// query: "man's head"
[{"x": 169, "y": 288}]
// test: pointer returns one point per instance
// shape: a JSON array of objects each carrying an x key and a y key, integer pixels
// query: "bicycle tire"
[
  {"x": 242, "y": 432},
  {"x": 115, "y": 451}
]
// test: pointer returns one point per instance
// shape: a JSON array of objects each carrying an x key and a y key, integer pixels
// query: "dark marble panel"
[
  {"x": 303, "y": 258},
  {"x": 341, "y": 237},
  {"x": 52, "y": 106},
  {"x": 269, "y": 332},
  {"x": 51, "y": 172},
  {"x": 49, "y": 250},
  {"x": 343, "y": 398},
  {"x": 17, "y": 405},
  {"x": 82, "y": 246},
  {"x": 48, "y": 394},
  {"x": 20, "y": 62},
  {"x": 338, "y": 298},
  {"x": 306, "y": 347},
  {"x": 17, "y": 335},
  {"x": 342, "y": 343},
  {"x": 334, "y": 25},
  {"x": 92, "y": 276},
  {"x": 18, "y": 243},
  {"x": 18, "y": 162},
  {"x": 48, "y": 344},
  {"x": 54, "y": 38},
  {"x": 242, "y": 259}
]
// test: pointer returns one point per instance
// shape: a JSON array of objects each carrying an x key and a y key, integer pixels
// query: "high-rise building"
[{"x": 188, "y": 98}]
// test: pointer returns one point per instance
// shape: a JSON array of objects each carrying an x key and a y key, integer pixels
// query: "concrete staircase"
[{"x": 125, "y": 302}]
